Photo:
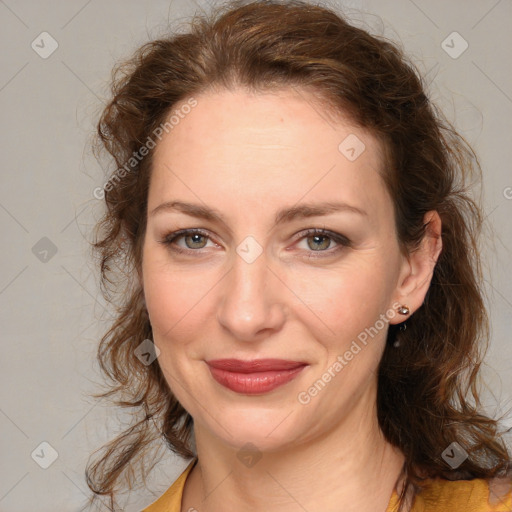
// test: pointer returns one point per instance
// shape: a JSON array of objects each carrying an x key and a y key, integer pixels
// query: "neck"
[{"x": 350, "y": 468}]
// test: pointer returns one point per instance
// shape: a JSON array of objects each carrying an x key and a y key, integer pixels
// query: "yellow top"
[{"x": 477, "y": 495}]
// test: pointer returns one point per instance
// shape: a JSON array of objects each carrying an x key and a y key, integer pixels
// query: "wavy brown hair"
[{"x": 427, "y": 387}]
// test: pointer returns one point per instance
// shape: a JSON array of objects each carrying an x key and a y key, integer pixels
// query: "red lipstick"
[{"x": 256, "y": 376}]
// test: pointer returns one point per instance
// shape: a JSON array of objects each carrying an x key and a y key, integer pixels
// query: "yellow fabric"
[
  {"x": 478, "y": 495},
  {"x": 170, "y": 501}
]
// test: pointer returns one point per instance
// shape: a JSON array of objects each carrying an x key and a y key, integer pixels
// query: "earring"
[{"x": 403, "y": 309}]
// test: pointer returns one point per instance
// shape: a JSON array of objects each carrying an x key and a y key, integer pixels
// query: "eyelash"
[{"x": 341, "y": 240}]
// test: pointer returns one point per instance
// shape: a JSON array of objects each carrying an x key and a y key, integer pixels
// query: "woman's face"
[{"x": 253, "y": 173}]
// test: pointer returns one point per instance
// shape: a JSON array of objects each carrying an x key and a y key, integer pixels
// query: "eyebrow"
[{"x": 303, "y": 210}]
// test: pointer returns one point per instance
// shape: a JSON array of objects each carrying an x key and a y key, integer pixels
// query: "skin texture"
[{"x": 249, "y": 155}]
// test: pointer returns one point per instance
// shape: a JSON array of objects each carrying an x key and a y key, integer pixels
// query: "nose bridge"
[{"x": 250, "y": 300}]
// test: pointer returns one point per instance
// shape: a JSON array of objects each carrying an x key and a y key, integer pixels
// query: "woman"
[{"x": 302, "y": 283}]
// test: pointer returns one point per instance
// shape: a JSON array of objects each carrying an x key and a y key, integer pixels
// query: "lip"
[{"x": 256, "y": 376}]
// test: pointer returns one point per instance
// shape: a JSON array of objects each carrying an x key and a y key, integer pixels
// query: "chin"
[{"x": 265, "y": 430}]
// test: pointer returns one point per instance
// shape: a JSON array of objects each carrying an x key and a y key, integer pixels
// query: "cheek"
[
  {"x": 347, "y": 299},
  {"x": 178, "y": 301},
  {"x": 179, "y": 307}
]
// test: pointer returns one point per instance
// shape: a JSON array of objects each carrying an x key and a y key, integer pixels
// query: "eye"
[
  {"x": 317, "y": 241},
  {"x": 321, "y": 241},
  {"x": 194, "y": 240}
]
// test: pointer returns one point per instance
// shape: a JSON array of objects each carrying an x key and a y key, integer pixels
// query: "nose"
[{"x": 251, "y": 303}]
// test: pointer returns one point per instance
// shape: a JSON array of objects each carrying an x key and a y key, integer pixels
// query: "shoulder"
[
  {"x": 477, "y": 495},
  {"x": 170, "y": 501}
]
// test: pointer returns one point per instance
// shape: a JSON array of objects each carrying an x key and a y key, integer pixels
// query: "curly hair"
[{"x": 427, "y": 387}]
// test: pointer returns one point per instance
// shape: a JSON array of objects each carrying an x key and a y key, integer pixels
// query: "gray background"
[{"x": 51, "y": 309}]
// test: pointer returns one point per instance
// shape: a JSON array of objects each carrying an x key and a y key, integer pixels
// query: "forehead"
[{"x": 252, "y": 149}]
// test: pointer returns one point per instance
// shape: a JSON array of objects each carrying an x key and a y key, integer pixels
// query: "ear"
[{"x": 417, "y": 269}]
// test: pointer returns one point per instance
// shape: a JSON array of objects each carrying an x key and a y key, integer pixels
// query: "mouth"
[{"x": 254, "y": 377}]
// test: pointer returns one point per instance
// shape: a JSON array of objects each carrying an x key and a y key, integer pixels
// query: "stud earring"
[{"x": 403, "y": 309}]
